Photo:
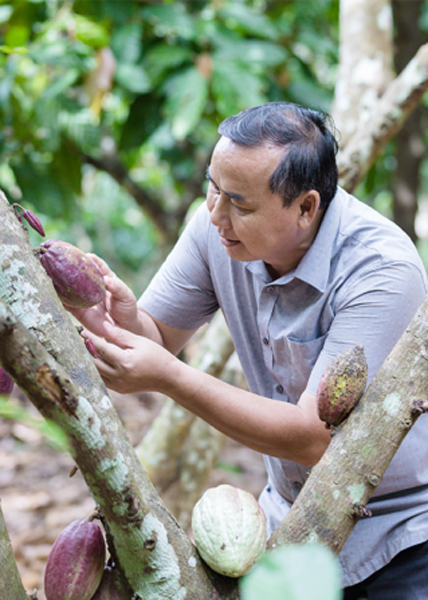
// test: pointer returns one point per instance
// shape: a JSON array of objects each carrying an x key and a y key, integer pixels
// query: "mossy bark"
[
  {"x": 10, "y": 586},
  {"x": 45, "y": 355}
]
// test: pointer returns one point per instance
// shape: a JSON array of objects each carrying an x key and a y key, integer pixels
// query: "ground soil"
[{"x": 39, "y": 498}]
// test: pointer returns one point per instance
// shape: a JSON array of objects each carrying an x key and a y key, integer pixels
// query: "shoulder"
[{"x": 366, "y": 233}]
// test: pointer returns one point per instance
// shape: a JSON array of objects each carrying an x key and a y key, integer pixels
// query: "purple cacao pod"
[
  {"x": 75, "y": 563},
  {"x": 6, "y": 383},
  {"x": 76, "y": 277},
  {"x": 113, "y": 586}
]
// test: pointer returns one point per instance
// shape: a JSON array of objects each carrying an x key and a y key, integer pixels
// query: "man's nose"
[{"x": 219, "y": 211}]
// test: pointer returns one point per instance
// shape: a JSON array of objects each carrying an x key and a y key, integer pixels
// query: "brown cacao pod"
[
  {"x": 342, "y": 385},
  {"x": 75, "y": 563},
  {"x": 76, "y": 277},
  {"x": 6, "y": 383},
  {"x": 113, "y": 586}
]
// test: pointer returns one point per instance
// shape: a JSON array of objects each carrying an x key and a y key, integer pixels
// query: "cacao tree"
[{"x": 141, "y": 530}]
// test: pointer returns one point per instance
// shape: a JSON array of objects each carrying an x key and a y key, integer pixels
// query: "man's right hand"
[{"x": 119, "y": 306}]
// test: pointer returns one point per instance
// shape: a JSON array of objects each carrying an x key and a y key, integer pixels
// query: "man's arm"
[{"x": 130, "y": 363}]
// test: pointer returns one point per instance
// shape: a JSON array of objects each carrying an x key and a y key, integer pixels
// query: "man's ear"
[{"x": 309, "y": 203}]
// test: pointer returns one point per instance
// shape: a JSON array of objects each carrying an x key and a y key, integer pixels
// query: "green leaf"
[
  {"x": 187, "y": 94},
  {"x": 5, "y": 13},
  {"x": 48, "y": 429},
  {"x": 163, "y": 57},
  {"x": 240, "y": 16},
  {"x": 13, "y": 50},
  {"x": 170, "y": 19},
  {"x": 133, "y": 78},
  {"x": 17, "y": 35},
  {"x": 126, "y": 43},
  {"x": 90, "y": 33},
  {"x": 301, "y": 572},
  {"x": 39, "y": 186},
  {"x": 259, "y": 52},
  {"x": 80, "y": 128},
  {"x": 61, "y": 84},
  {"x": 143, "y": 119},
  {"x": 235, "y": 87}
]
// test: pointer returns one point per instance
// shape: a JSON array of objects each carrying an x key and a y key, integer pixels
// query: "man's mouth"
[{"x": 228, "y": 243}]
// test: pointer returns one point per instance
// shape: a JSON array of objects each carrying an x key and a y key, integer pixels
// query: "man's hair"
[{"x": 310, "y": 147}]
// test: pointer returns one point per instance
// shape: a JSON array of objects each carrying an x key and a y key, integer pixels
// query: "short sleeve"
[
  {"x": 372, "y": 309},
  {"x": 181, "y": 294}
]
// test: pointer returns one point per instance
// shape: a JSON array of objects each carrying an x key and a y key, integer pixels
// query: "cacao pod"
[
  {"x": 229, "y": 529},
  {"x": 342, "y": 385},
  {"x": 76, "y": 277},
  {"x": 6, "y": 383},
  {"x": 75, "y": 563},
  {"x": 113, "y": 586}
]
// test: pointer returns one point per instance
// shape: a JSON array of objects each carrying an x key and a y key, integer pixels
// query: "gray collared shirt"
[{"x": 360, "y": 282}]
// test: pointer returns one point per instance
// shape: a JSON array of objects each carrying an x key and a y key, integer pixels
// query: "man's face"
[{"x": 252, "y": 222}]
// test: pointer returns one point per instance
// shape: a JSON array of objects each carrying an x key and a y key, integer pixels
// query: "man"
[{"x": 302, "y": 271}]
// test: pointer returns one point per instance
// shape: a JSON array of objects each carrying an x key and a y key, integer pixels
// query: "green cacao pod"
[
  {"x": 229, "y": 529},
  {"x": 342, "y": 385},
  {"x": 76, "y": 277},
  {"x": 75, "y": 563},
  {"x": 113, "y": 586}
]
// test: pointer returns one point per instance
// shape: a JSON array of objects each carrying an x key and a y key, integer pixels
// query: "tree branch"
[
  {"x": 166, "y": 222},
  {"x": 341, "y": 483},
  {"x": 10, "y": 586},
  {"x": 387, "y": 117},
  {"x": 43, "y": 352}
]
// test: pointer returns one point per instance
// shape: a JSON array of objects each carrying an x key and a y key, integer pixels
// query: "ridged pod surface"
[
  {"x": 76, "y": 277},
  {"x": 75, "y": 563},
  {"x": 6, "y": 383},
  {"x": 229, "y": 529},
  {"x": 342, "y": 385},
  {"x": 112, "y": 586}
]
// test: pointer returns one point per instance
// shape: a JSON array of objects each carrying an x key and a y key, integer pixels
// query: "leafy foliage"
[
  {"x": 294, "y": 573},
  {"x": 143, "y": 86}
]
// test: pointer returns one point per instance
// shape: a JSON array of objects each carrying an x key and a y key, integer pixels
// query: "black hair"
[{"x": 310, "y": 147}]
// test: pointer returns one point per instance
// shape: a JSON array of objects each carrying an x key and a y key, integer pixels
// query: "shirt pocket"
[{"x": 294, "y": 361}]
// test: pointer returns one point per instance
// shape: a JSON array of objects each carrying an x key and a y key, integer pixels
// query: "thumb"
[{"x": 118, "y": 336}]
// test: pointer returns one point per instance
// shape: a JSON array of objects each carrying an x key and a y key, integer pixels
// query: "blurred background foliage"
[{"x": 109, "y": 109}]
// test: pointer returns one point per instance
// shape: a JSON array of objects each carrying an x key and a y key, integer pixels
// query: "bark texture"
[
  {"x": 386, "y": 118},
  {"x": 43, "y": 352},
  {"x": 409, "y": 143},
  {"x": 365, "y": 62},
  {"x": 10, "y": 586}
]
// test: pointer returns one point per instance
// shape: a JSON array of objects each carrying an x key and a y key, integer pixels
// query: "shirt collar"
[{"x": 314, "y": 268}]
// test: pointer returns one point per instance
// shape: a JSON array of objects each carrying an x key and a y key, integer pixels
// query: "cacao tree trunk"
[
  {"x": 42, "y": 351},
  {"x": 11, "y": 585}
]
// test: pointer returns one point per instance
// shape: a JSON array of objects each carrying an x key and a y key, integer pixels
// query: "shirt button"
[
  {"x": 279, "y": 388},
  {"x": 265, "y": 341},
  {"x": 270, "y": 289}
]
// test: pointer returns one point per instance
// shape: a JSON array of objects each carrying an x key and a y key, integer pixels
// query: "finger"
[
  {"x": 118, "y": 288},
  {"x": 102, "y": 265},
  {"x": 120, "y": 337},
  {"x": 109, "y": 351}
]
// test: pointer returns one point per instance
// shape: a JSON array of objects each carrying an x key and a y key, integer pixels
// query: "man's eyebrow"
[{"x": 232, "y": 195}]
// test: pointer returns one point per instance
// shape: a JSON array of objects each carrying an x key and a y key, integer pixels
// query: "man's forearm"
[{"x": 281, "y": 429}]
